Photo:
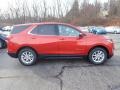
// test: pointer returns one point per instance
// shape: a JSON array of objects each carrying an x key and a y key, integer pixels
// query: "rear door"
[{"x": 46, "y": 37}]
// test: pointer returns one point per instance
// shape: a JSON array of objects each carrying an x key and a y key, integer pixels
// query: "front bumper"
[
  {"x": 111, "y": 50},
  {"x": 110, "y": 56}
]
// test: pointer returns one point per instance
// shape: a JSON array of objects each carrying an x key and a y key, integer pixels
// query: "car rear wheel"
[
  {"x": 98, "y": 56},
  {"x": 27, "y": 57}
]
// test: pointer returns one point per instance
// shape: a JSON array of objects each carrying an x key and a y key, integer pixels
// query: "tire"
[
  {"x": 27, "y": 57},
  {"x": 1, "y": 44},
  {"x": 98, "y": 56}
]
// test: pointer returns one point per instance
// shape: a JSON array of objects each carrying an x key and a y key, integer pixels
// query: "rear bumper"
[{"x": 14, "y": 55}]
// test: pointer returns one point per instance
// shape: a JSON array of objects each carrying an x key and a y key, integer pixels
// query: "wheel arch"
[
  {"x": 100, "y": 46},
  {"x": 26, "y": 47}
]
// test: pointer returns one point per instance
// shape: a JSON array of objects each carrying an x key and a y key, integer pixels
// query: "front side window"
[
  {"x": 67, "y": 31},
  {"x": 45, "y": 30}
]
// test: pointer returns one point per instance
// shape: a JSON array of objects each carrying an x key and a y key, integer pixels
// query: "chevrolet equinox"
[{"x": 29, "y": 42}]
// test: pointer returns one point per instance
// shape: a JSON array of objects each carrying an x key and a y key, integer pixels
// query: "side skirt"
[{"x": 62, "y": 56}]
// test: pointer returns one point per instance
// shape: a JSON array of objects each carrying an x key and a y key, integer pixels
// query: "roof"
[
  {"x": 43, "y": 23},
  {"x": 46, "y": 23}
]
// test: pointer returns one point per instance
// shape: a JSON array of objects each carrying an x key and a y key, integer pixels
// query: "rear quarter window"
[{"x": 18, "y": 29}]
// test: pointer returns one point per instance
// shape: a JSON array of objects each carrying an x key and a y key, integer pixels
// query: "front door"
[{"x": 69, "y": 41}]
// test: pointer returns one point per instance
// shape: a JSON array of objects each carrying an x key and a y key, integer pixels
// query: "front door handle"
[{"x": 33, "y": 38}]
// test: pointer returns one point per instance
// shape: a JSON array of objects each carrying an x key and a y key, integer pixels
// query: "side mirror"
[{"x": 81, "y": 34}]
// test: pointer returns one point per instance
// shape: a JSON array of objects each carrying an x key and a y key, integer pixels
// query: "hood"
[
  {"x": 90, "y": 34},
  {"x": 94, "y": 36}
]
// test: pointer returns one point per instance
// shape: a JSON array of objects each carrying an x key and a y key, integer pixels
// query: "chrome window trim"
[{"x": 29, "y": 32}]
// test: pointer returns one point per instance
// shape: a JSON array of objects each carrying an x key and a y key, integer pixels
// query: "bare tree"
[{"x": 81, "y": 12}]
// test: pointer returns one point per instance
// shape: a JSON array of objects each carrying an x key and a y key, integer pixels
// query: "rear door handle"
[{"x": 62, "y": 39}]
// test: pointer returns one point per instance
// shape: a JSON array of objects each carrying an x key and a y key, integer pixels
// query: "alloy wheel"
[
  {"x": 98, "y": 56},
  {"x": 27, "y": 57}
]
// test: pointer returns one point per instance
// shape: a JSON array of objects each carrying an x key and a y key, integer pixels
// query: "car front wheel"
[
  {"x": 98, "y": 56},
  {"x": 27, "y": 57}
]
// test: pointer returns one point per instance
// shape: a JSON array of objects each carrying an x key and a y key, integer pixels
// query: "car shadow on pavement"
[{"x": 52, "y": 70}]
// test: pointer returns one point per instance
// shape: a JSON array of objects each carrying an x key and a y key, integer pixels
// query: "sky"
[{"x": 5, "y": 4}]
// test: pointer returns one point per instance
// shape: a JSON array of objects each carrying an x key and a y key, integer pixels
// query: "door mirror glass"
[{"x": 81, "y": 35}]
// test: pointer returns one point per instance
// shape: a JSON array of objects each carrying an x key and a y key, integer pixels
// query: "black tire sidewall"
[
  {"x": 30, "y": 50},
  {"x": 92, "y": 51}
]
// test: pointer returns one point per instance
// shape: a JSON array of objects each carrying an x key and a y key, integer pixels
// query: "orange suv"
[{"x": 28, "y": 42}]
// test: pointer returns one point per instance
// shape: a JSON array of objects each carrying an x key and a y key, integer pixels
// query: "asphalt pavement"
[{"x": 61, "y": 74}]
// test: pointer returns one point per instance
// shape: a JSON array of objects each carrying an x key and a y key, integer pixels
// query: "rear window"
[{"x": 18, "y": 29}]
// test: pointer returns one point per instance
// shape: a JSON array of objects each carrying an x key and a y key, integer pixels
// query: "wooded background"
[{"x": 79, "y": 13}]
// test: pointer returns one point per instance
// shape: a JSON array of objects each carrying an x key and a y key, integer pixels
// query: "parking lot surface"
[{"x": 61, "y": 74}]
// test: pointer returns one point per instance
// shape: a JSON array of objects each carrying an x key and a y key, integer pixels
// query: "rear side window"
[
  {"x": 18, "y": 29},
  {"x": 45, "y": 30}
]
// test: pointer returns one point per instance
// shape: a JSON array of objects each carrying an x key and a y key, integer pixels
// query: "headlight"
[
  {"x": 110, "y": 40},
  {"x": 107, "y": 37}
]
